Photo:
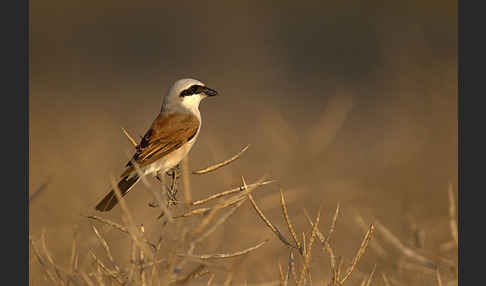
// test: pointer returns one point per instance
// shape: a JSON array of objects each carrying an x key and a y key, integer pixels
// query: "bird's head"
[{"x": 186, "y": 94}]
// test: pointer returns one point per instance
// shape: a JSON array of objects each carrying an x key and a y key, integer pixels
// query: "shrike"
[{"x": 169, "y": 139}]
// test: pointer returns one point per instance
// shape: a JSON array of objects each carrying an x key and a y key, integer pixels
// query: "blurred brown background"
[{"x": 341, "y": 101}]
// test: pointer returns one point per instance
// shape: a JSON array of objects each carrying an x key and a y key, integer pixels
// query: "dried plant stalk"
[
  {"x": 219, "y": 222},
  {"x": 109, "y": 222},
  {"x": 388, "y": 235},
  {"x": 292, "y": 267},
  {"x": 367, "y": 281},
  {"x": 333, "y": 225},
  {"x": 222, "y": 164},
  {"x": 325, "y": 242},
  {"x": 287, "y": 219},
  {"x": 360, "y": 253},
  {"x": 210, "y": 280},
  {"x": 73, "y": 260},
  {"x": 134, "y": 143},
  {"x": 225, "y": 255},
  {"x": 225, "y": 203},
  {"x": 385, "y": 279},
  {"x": 269, "y": 224},
  {"x": 105, "y": 245},
  {"x": 437, "y": 276},
  {"x": 57, "y": 269},
  {"x": 108, "y": 271},
  {"x": 373, "y": 244},
  {"x": 309, "y": 248},
  {"x": 127, "y": 217},
  {"x": 281, "y": 275},
  {"x": 229, "y": 192},
  {"x": 87, "y": 279},
  {"x": 44, "y": 265}
]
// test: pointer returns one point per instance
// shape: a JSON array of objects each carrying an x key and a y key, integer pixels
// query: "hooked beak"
[{"x": 209, "y": 92}]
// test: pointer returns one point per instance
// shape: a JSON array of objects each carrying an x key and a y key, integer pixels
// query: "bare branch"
[
  {"x": 287, "y": 220},
  {"x": 360, "y": 253},
  {"x": 309, "y": 248},
  {"x": 109, "y": 222},
  {"x": 225, "y": 255},
  {"x": 222, "y": 164},
  {"x": 367, "y": 281},
  {"x": 229, "y": 192},
  {"x": 269, "y": 224},
  {"x": 108, "y": 271}
]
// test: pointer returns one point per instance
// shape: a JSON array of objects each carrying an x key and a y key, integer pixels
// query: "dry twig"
[
  {"x": 360, "y": 253},
  {"x": 224, "y": 255},
  {"x": 222, "y": 164}
]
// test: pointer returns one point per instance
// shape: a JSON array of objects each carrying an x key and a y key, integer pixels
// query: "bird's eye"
[{"x": 195, "y": 89}]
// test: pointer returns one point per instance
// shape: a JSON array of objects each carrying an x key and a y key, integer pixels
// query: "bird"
[{"x": 168, "y": 140}]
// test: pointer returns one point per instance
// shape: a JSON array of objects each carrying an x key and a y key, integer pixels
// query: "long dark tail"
[{"x": 110, "y": 200}]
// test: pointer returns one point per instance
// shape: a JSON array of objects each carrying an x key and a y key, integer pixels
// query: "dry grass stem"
[
  {"x": 118, "y": 227},
  {"x": 225, "y": 255},
  {"x": 269, "y": 224},
  {"x": 105, "y": 246},
  {"x": 229, "y": 278},
  {"x": 222, "y": 164},
  {"x": 333, "y": 225},
  {"x": 127, "y": 217},
  {"x": 134, "y": 143},
  {"x": 452, "y": 215},
  {"x": 225, "y": 203},
  {"x": 373, "y": 244},
  {"x": 229, "y": 192},
  {"x": 367, "y": 281},
  {"x": 74, "y": 256},
  {"x": 199, "y": 211},
  {"x": 105, "y": 269},
  {"x": 388, "y": 235},
  {"x": 439, "y": 279},
  {"x": 291, "y": 267},
  {"x": 385, "y": 279},
  {"x": 87, "y": 279},
  {"x": 309, "y": 248},
  {"x": 360, "y": 252},
  {"x": 143, "y": 279},
  {"x": 287, "y": 219},
  {"x": 210, "y": 280},
  {"x": 281, "y": 275},
  {"x": 57, "y": 269},
  {"x": 109, "y": 222},
  {"x": 192, "y": 275},
  {"x": 325, "y": 242},
  {"x": 44, "y": 265},
  {"x": 219, "y": 222}
]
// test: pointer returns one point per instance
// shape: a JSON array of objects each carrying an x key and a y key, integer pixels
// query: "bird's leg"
[
  {"x": 154, "y": 204},
  {"x": 172, "y": 188}
]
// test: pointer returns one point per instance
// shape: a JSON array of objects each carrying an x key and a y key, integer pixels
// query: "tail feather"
[{"x": 110, "y": 200}]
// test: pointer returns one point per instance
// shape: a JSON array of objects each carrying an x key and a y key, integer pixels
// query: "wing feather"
[{"x": 167, "y": 133}]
